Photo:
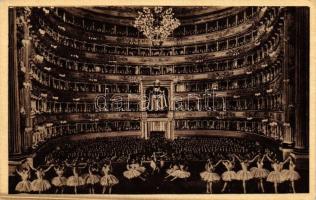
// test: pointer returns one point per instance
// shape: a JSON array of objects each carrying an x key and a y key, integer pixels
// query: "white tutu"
[
  {"x": 169, "y": 171},
  {"x": 59, "y": 181},
  {"x": 259, "y": 172},
  {"x": 244, "y": 175},
  {"x": 73, "y": 181},
  {"x": 23, "y": 186},
  {"x": 109, "y": 180},
  {"x": 289, "y": 175},
  {"x": 229, "y": 176},
  {"x": 180, "y": 174},
  {"x": 131, "y": 173},
  {"x": 209, "y": 176},
  {"x": 40, "y": 185},
  {"x": 275, "y": 176},
  {"x": 92, "y": 179},
  {"x": 141, "y": 169}
]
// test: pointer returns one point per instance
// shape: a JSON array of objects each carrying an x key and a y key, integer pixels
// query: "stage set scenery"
[{"x": 158, "y": 100}]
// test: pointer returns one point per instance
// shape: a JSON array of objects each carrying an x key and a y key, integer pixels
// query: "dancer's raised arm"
[
  {"x": 17, "y": 171},
  {"x": 287, "y": 160},
  {"x": 50, "y": 166},
  {"x": 218, "y": 163},
  {"x": 255, "y": 158},
  {"x": 32, "y": 167},
  {"x": 269, "y": 158},
  {"x": 237, "y": 157}
]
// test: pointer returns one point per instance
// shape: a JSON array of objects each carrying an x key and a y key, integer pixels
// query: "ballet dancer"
[
  {"x": 275, "y": 176},
  {"x": 92, "y": 178},
  {"x": 40, "y": 184},
  {"x": 132, "y": 171},
  {"x": 209, "y": 176},
  {"x": 244, "y": 175},
  {"x": 180, "y": 173},
  {"x": 173, "y": 167},
  {"x": 24, "y": 185},
  {"x": 291, "y": 174},
  {"x": 108, "y": 180},
  {"x": 59, "y": 181},
  {"x": 260, "y": 173},
  {"x": 75, "y": 180},
  {"x": 229, "y": 175}
]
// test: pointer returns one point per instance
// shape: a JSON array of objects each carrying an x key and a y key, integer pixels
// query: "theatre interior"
[{"x": 142, "y": 100}]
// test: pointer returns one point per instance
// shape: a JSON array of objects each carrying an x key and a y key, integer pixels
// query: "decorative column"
[
  {"x": 287, "y": 145},
  {"x": 301, "y": 80},
  {"x": 15, "y": 142},
  {"x": 27, "y": 84}
]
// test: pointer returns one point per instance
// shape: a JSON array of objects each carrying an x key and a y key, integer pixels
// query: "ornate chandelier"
[{"x": 156, "y": 24}]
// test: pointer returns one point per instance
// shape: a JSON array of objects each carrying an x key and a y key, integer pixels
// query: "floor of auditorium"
[{"x": 155, "y": 184}]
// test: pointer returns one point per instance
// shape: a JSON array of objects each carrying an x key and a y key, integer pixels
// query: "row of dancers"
[
  {"x": 40, "y": 184},
  {"x": 175, "y": 171},
  {"x": 277, "y": 176}
]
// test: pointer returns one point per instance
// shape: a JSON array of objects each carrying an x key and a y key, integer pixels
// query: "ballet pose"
[
  {"x": 180, "y": 173},
  {"x": 209, "y": 176},
  {"x": 229, "y": 175},
  {"x": 75, "y": 180},
  {"x": 244, "y": 175},
  {"x": 40, "y": 184},
  {"x": 92, "y": 178},
  {"x": 59, "y": 181},
  {"x": 260, "y": 173},
  {"x": 108, "y": 180},
  {"x": 132, "y": 171},
  {"x": 24, "y": 185},
  {"x": 275, "y": 176},
  {"x": 290, "y": 174},
  {"x": 172, "y": 168}
]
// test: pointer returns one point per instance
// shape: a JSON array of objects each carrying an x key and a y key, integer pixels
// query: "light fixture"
[{"x": 156, "y": 23}]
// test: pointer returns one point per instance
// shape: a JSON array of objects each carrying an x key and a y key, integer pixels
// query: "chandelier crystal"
[{"x": 157, "y": 23}]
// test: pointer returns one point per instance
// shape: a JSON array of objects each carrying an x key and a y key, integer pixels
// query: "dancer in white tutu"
[
  {"x": 92, "y": 177},
  {"x": 209, "y": 176},
  {"x": 75, "y": 180},
  {"x": 244, "y": 175},
  {"x": 173, "y": 167},
  {"x": 180, "y": 173},
  {"x": 229, "y": 175},
  {"x": 276, "y": 177},
  {"x": 260, "y": 173},
  {"x": 40, "y": 184},
  {"x": 290, "y": 174},
  {"x": 132, "y": 171},
  {"x": 59, "y": 181},
  {"x": 108, "y": 180},
  {"x": 24, "y": 185}
]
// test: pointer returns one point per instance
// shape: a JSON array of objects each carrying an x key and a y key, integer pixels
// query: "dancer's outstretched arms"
[
  {"x": 255, "y": 158},
  {"x": 220, "y": 161},
  {"x": 285, "y": 161},
  {"x": 237, "y": 157},
  {"x": 269, "y": 158},
  {"x": 46, "y": 170},
  {"x": 31, "y": 166},
  {"x": 17, "y": 171},
  {"x": 263, "y": 157}
]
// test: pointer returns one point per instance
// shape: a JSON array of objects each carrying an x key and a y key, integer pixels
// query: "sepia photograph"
[{"x": 143, "y": 100}]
